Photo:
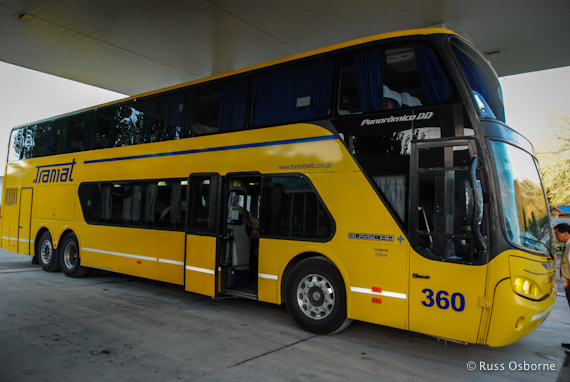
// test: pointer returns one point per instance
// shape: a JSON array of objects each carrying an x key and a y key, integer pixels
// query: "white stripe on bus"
[
  {"x": 266, "y": 276},
  {"x": 16, "y": 239},
  {"x": 384, "y": 293},
  {"x": 541, "y": 315},
  {"x": 120, "y": 254},
  {"x": 138, "y": 257},
  {"x": 174, "y": 262},
  {"x": 201, "y": 270}
]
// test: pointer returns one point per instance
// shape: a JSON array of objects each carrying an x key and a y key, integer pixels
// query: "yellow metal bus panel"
[
  {"x": 451, "y": 294},
  {"x": 56, "y": 202},
  {"x": 130, "y": 251},
  {"x": 273, "y": 256},
  {"x": 378, "y": 268},
  {"x": 171, "y": 257},
  {"x": 10, "y": 228},
  {"x": 378, "y": 285},
  {"x": 362, "y": 214},
  {"x": 200, "y": 264},
  {"x": 224, "y": 153}
]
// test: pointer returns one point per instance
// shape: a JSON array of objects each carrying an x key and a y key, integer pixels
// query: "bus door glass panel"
[
  {"x": 241, "y": 234},
  {"x": 24, "y": 221},
  {"x": 373, "y": 148},
  {"x": 446, "y": 275},
  {"x": 202, "y": 238}
]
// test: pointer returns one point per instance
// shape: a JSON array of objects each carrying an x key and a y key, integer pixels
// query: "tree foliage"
[{"x": 553, "y": 154}]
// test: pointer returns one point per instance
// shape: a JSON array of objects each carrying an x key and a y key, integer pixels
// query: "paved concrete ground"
[{"x": 111, "y": 327}]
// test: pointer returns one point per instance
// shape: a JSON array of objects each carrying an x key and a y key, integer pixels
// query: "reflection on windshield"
[{"x": 522, "y": 198}]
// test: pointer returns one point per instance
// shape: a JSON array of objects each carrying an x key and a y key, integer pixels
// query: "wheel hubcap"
[
  {"x": 46, "y": 252},
  {"x": 315, "y": 296},
  {"x": 70, "y": 256}
]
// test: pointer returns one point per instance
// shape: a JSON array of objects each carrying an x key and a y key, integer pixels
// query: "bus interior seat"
[
  {"x": 409, "y": 100},
  {"x": 391, "y": 99},
  {"x": 202, "y": 129},
  {"x": 240, "y": 245},
  {"x": 344, "y": 107},
  {"x": 240, "y": 249}
]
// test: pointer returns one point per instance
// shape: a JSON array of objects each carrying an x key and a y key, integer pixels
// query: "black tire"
[
  {"x": 46, "y": 255},
  {"x": 316, "y": 296},
  {"x": 70, "y": 258}
]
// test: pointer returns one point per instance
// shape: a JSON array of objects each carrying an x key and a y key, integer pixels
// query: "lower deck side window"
[
  {"x": 149, "y": 204},
  {"x": 286, "y": 206},
  {"x": 291, "y": 208}
]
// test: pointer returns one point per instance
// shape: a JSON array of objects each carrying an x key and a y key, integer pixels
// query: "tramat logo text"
[
  {"x": 55, "y": 173},
  {"x": 402, "y": 118}
]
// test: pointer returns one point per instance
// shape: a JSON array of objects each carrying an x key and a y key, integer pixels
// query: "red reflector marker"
[
  {"x": 376, "y": 300},
  {"x": 377, "y": 289},
  {"x": 139, "y": 262}
]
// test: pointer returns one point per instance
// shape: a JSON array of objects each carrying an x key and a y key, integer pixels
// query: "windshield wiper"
[{"x": 539, "y": 242}]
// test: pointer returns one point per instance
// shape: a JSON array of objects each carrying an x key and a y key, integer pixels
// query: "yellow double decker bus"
[{"x": 373, "y": 180}]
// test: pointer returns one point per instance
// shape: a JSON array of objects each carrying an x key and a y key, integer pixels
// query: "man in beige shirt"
[{"x": 562, "y": 233}]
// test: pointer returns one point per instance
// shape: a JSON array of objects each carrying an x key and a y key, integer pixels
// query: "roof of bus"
[
  {"x": 363, "y": 40},
  {"x": 359, "y": 41}
]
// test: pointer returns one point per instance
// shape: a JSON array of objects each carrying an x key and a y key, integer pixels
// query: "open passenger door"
[
  {"x": 202, "y": 234},
  {"x": 448, "y": 268},
  {"x": 240, "y": 235}
]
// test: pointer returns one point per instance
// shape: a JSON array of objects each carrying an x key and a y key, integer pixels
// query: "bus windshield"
[
  {"x": 522, "y": 198},
  {"x": 485, "y": 86}
]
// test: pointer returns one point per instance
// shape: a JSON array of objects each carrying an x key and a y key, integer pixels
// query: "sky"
[
  {"x": 27, "y": 96},
  {"x": 531, "y": 98}
]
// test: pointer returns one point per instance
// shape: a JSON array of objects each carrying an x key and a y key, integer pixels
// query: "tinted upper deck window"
[
  {"x": 392, "y": 78},
  {"x": 296, "y": 93}
]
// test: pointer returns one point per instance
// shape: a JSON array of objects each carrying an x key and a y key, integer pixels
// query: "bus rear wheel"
[
  {"x": 46, "y": 254},
  {"x": 316, "y": 296},
  {"x": 70, "y": 259}
]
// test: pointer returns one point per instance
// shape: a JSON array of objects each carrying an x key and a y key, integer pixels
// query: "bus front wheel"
[
  {"x": 316, "y": 297},
  {"x": 69, "y": 257},
  {"x": 46, "y": 254}
]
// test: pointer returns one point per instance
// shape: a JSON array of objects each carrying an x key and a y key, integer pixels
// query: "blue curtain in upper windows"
[
  {"x": 148, "y": 109},
  {"x": 369, "y": 79},
  {"x": 88, "y": 120},
  {"x": 434, "y": 80},
  {"x": 173, "y": 117},
  {"x": 233, "y": 105},
  {"x": 295, "y": 94},
  {"x": 480, "y": 84}
]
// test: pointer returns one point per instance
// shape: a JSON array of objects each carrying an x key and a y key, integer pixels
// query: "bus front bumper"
[{"x": 514, "y": 317}]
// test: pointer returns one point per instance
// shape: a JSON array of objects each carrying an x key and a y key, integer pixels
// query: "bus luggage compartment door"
[{"x": 25, "y": 220}]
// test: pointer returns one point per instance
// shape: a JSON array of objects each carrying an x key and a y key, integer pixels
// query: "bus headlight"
[{"x": 526, "y": 288}]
